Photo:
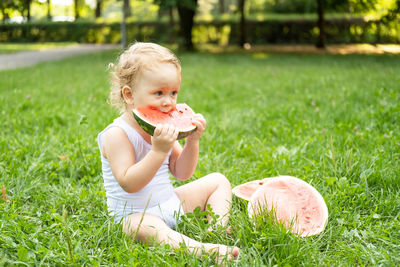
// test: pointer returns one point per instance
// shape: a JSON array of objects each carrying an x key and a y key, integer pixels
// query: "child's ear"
[{"x": 127, "y": 95}]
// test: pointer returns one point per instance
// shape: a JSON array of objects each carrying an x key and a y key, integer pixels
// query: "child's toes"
[{"x": 235, "y": 252}]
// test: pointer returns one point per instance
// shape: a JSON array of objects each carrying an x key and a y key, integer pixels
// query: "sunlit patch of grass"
[
  {"x": 331, "y": 120},
  {"x": 6, "y": 48}
]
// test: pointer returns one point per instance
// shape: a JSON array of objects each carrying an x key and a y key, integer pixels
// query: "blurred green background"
[{"x": 192, "y": 22}]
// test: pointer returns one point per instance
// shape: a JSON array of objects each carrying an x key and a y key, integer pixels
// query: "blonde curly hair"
[{"x": 130, "y": 64}]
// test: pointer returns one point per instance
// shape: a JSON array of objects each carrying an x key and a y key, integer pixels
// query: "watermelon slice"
[
  {"x": 295, "y": 203},
  {"x": 181, "y": 117}
]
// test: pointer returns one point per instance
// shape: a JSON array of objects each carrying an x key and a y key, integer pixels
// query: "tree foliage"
[
  {"x": 393, "y": 13},
  {"x": 7, "y": 6}
]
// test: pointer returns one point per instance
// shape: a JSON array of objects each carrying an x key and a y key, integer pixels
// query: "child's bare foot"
[{"x": 222, "y": 252}]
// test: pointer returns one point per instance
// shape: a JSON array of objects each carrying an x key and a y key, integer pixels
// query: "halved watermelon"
[
  {"x": 181, "y": 117},
  {"x": 295, "y": 203}
]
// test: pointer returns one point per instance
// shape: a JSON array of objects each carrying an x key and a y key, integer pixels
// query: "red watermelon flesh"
[
  {"x": 294, "y": 202},
  {"x": 180, "y": 117}
]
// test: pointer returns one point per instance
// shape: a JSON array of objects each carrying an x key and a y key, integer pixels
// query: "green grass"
[
  {"x": 333, "y": 121},
  {"x": 6, "y": 48}
]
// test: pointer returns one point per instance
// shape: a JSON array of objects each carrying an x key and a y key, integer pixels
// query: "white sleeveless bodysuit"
[{"x": 157, "y": 197}]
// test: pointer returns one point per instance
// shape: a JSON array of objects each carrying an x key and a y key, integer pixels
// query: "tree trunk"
[
  {"x": 97, "y": 12},
  {"x": 123, "y": 25},
  {"x": 321, "y": 24},
  {"x": 186, "y": 21},
  {"x": 3, "y": 12},
  {"x": 127, "y": 8},
  {"x": 5, "y": 15},
  {"x": 221, "y": 6},
  {"x": 242, "y": 26},
  {"x": 76, "y": 9},
  {"x": 49, "y": 10},
  {"x": 28, "y": 9}
]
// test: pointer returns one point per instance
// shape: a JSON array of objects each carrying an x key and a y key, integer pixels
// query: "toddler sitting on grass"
[{"x": 136, "y": 165}]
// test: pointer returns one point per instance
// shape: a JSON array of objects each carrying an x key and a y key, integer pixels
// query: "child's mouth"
[{"x": 166, "y": 110}]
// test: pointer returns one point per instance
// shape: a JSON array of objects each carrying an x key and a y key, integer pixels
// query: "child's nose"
[{"x": 167, "y": 101}]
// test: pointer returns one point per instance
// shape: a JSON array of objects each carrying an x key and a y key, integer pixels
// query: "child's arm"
[
  {"x": 132, "y": 175},
  {"x": 182, "y": 162}
]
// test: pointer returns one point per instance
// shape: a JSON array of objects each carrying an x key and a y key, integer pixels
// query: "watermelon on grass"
[
  {"x": 295, "y": 203},
  {"x": 181, "y": 117}
]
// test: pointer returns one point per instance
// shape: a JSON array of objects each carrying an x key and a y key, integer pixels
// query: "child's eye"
[
  {"x": 174, "y": 93},
  {"x": 158, "y": 93}
]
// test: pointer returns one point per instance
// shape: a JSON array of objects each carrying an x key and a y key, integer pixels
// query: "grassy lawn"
[
  {"x": 6, "y": 48},
  {"x": 333, "y": 121}
]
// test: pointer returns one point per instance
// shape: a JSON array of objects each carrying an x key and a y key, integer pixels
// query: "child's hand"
[
  {"x": 164, "y": 137},
  {"x": 201, "y": 123}
]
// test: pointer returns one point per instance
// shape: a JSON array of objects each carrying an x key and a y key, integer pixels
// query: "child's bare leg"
[
  {"x": 213, "y": 189},
  {"x": 148, "y": 228}
]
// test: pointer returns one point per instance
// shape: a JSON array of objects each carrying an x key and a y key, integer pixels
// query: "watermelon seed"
[
  {"x": 170, "y": 114},
  {"x": 180, "y": 111}
]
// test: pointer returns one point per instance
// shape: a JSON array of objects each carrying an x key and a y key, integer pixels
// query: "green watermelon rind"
[{"x": 149, "y": 127}]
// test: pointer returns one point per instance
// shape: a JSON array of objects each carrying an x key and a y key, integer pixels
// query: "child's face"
[{"x": 158, "y": 88}]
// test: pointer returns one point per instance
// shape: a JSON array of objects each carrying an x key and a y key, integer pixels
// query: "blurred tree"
[
  {"x": 168, "y": 7},
  {"x": 242, "y": 25},
  {"x": 49, "y": 10},
  {"x": 22, "y": 6},
  {"x": 186, "y": 11},
  {"x": 125, "y": 13},
  {"x": 25, "y": 8},
  {"x": 6, "y": 6},
  {"x": 321, "y": 24},
  {"x": 337, "y": 5},
  {"x": 393, "y": 13},
  {"x": 28, "y": 4},
  {"x": 127, "y": 8},
  {"x": 76, "y": 9},
  {"x": 47, "y": 3},
  {"x": 98, "y": 8},
  {"x": 222, "y": 6}
]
